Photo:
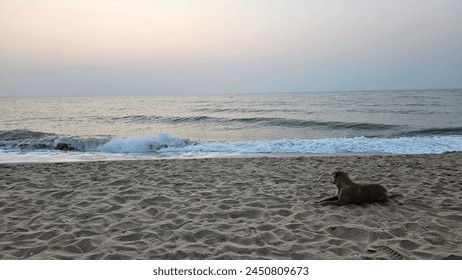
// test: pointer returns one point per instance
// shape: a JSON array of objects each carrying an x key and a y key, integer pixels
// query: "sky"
[{"x": 138, "y": 47}]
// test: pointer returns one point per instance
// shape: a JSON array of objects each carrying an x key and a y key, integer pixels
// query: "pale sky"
[{"x": 131, "y": 47}]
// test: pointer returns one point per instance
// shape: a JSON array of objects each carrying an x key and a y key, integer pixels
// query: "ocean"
[{"x": 163, "y": 126}]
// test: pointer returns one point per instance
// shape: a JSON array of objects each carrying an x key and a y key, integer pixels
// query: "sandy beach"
[{"x": 230, "y": 208}]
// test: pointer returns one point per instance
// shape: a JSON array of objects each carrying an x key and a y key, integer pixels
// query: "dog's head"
[{"x": 337, "y": 175}]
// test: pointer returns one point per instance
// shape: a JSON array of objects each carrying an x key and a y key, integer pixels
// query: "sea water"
[{"x": 159, "y": 126}]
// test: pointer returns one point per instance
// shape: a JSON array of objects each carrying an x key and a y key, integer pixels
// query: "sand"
[{"x": 230, "y": 208}]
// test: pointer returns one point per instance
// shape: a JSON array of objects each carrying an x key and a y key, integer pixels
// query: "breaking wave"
[{"x": 164, "y": 143}]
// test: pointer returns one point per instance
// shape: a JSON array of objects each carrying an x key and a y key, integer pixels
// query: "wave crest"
[
  {"x": 145, "y": 144},
  {"x": 164, "y": 143}
]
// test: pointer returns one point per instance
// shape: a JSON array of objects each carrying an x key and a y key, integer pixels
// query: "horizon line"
[{"x": 235, "y": 93}]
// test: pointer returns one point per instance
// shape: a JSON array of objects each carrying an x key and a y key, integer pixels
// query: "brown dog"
[{"x": 350, "y": 192}]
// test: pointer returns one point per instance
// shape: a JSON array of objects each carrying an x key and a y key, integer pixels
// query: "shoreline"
[
  {"x": 230, "y": 208},
  {"x": 59, "y": 157},
  {"x": 63, "y": 157}
]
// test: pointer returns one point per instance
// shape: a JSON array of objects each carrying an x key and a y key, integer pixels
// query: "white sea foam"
[
  {"x": 163, "y": 145},
  {"x": 403, "y": 145}
]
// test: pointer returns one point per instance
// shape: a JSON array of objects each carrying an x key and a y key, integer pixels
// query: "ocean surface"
[{"x": 159, "y": 126}]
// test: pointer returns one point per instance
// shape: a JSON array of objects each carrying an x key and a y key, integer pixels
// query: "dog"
[{"x": 350, "y": 192}]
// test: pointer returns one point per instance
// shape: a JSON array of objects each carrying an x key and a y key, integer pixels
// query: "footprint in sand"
[{"x": 384, "y": 253}]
